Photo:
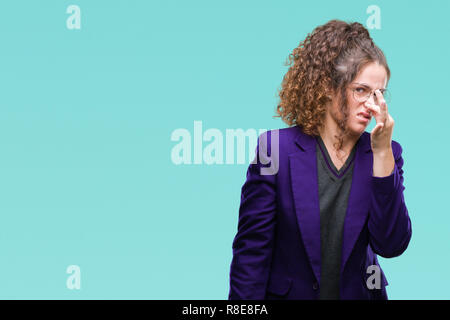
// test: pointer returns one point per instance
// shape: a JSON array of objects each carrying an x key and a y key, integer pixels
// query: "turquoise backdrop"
[{"x": 87, "y": 116}]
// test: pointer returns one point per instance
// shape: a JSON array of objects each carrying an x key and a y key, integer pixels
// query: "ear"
[{"x": 330, "y": 93}]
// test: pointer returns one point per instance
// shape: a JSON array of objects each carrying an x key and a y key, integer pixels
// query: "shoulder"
[
  {"x": 284, "y": 135},
  {"x": 284, "y": 138}
]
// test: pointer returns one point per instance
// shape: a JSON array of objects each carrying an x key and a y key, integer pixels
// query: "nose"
[{"x": 373, "y": 98}]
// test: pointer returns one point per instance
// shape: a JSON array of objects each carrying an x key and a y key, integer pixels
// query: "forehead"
[{"x": 373, "y": 74}]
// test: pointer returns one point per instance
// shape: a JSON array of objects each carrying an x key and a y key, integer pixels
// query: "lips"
[{"x": 364, "y": 114}]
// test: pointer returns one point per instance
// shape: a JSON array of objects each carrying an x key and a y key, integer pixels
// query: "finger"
[
  {"x": 381, "y": 112},
  {"x": 377, "y": 128},
  {"x": 380, "y": 97},
  {"x": 381, "y": 101},
  {"x": 374, "y": 108}
]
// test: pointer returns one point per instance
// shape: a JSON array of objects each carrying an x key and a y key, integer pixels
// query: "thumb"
[{"x": 377, "y": 128}]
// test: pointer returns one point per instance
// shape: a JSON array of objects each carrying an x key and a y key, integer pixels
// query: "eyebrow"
[{"x": 366, "y": 85}]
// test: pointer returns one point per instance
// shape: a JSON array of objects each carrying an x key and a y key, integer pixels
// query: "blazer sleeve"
[
  {"x": 389, "y": 223},
  {"x": 253, "y": 243}
]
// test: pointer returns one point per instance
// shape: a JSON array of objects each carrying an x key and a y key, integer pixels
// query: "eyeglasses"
[{"x": 362, "y": 93}]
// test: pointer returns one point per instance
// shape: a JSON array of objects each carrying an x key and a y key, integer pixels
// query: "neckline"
[{"x": 348, "y": 162}]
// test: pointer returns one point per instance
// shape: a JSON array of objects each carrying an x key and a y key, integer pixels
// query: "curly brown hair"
[{"x": 326, "y": 62}]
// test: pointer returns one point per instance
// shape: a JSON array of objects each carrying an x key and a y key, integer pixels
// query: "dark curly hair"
[{"x": 326, "y": 62}]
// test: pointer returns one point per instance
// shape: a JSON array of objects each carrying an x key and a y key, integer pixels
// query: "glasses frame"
[{"x": 387, "y": 97}]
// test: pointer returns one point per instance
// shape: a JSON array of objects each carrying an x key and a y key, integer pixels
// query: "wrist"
[
  {"x": 382, "y": 153},
  {"x": 383, "y": 163}
]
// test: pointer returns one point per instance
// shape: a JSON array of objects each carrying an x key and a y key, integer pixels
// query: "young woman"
[{"x": 314, "y": 227}]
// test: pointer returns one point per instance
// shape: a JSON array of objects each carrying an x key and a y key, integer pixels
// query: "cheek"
[{"x": 354, "y": 108}]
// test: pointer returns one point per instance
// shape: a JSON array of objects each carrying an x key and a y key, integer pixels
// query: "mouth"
[{"x": 364, "y": 116}]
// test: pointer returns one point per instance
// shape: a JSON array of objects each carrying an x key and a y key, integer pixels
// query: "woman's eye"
[{"x": 361, "y": 90}]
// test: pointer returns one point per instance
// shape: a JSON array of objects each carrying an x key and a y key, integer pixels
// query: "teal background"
[{"x": 86, "y": 116}]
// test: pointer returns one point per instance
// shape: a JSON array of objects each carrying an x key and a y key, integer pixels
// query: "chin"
[{"x": 357, "y": 129}]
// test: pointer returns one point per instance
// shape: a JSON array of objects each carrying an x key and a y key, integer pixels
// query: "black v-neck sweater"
[{"x": 334, "y": 189}]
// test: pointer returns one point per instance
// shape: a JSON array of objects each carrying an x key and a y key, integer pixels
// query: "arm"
[
  {"x": 253, "y": 243},
  {"x": 389, "y": 223}
]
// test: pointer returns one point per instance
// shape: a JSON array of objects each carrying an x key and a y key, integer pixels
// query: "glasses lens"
[{"x": 362, "y": 94}]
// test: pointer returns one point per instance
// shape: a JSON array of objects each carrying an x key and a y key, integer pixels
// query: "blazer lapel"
[
  {"x": 358, "y": 204},
  {"x": 303, "y": 171}
]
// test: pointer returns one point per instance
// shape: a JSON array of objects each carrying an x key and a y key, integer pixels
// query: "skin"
[{"x": 373, "y": 75}]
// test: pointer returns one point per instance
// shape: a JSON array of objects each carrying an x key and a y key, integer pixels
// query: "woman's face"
[{"x": 373, "y": 76}]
